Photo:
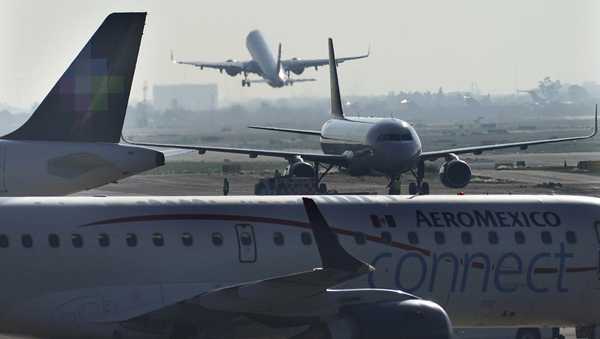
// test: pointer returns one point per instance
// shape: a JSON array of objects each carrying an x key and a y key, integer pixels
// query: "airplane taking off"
[
  {"x": 71, "y": 142},
  {"x": 286, "y": 267},
  {"x": 274, "y": 72},
  {"x": 362, "y": 145}
]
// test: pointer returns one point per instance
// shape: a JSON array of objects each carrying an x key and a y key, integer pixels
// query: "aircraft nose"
[{"x": 395, "y": 157}]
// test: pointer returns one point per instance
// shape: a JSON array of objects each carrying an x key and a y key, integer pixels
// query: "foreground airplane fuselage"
[{"x": 82, "y": 266}]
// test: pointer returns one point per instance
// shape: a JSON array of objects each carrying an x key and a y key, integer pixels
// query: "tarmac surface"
[{"x": 486, "y": 180}]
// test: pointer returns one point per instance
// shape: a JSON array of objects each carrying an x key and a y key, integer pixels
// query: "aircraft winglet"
[
  {"x": 333, "y": 255},
  {"x": 336, "y": 100}
]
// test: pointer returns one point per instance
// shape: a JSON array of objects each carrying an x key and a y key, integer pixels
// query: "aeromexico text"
[{"x": 487, "y": 218}]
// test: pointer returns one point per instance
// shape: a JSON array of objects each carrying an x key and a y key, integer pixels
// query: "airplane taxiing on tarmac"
[
  {"x": 274, "y": 72},
  {"x": 363, "y": 145},
  {"x": 291, "y": 267},
  {"x": 71, "y": 141}
]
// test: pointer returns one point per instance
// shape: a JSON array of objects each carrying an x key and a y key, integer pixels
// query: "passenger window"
[
  {"x": 131, "y": 240},
  {"x": 546, "y": 237},
  {"x": 53, "y": 240},
  {"x": 27, "y": 240},
  {"x": 466, "y": 238},
  {"x": 413, "y": 238},
  {"x": 306, "y": 238},
  {"x": 570, "y": 235},
  {"x": 187, "y": 240},
  {"x": 440, "y": 238},
  {"x": 77, "y": 240},
  {"x": 278, "y": 238},
  {"x": 217, "y": 239},
  {"x": 360, "y": 238},
  {"x": 493, "y": 237},
  {"x": 103, "y": 240},
  {"x": 4, "y": 241},
  {"x": 375, "y": 221},
  {"x": 158, "y": 240},
  {"x": 519, "y": 237},
  {"x": 386, "y": 237}
]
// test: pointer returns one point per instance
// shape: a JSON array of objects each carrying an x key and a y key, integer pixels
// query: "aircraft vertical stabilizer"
[
  {"x": 89, "y": 101},
  {"x": 278, "y": 69},
  {"x": 336, "y": 100}
]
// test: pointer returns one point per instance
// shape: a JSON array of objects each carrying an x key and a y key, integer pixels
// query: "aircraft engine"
[
  {"x": 455, "y": 173},
  {"x": 297, "y": 69},
  {"x": 300, "y": 168},
  {"x": 414, "y": 319},
  {"x": 230, "y": 70}
]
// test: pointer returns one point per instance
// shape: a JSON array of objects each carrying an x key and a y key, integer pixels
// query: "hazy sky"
[{"x": 416, "y": 45}]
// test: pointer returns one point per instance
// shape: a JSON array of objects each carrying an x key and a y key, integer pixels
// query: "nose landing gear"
[
  {"x": 394, "y": 186},
  {"x": 420, "y": 187}
]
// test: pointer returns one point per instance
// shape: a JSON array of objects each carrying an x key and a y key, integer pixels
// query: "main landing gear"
[
  {"x": 320, "y": 185},
  {"x": 245, "y": 82},
  {"x": 420, "y": 187}
]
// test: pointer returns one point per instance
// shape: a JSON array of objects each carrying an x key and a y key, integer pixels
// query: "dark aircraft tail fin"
[
  {"x": 279, "y": 59},
  {"x": 336, "y": 100},
  {"x": 89, "y": 101}
]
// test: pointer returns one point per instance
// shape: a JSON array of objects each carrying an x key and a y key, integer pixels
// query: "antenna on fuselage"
[{"x": 336, "y": 100}]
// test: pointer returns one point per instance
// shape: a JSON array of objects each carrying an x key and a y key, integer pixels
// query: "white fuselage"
[
  {"x": 385, "y": 145},
  {"x": 263, "y": 56},
  {"x": 34, "y": 168},
  {"x": 83, "y": 272}
]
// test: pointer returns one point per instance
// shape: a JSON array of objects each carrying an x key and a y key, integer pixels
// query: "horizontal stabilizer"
[
  {"x": 292, "y": 81},
  {"x": 287, "y": 130}
]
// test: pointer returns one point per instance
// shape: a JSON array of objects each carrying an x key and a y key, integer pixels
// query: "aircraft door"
[{"x": 246, "y": 243}]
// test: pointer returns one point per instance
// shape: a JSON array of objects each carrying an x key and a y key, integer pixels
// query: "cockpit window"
[{"x": 395, "y": 137}]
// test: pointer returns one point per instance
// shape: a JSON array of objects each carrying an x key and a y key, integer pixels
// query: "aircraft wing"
[
  {"x": 237, "y": 66},
  {"x": 340, "y": 160},
  {"x": 338, "y": 266},
  {"x": 304, "y": 293},
  {"x": 522, "y": 145},
  {"x": 287, "y": 130},
  {"x": 291, "y": 63}
]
